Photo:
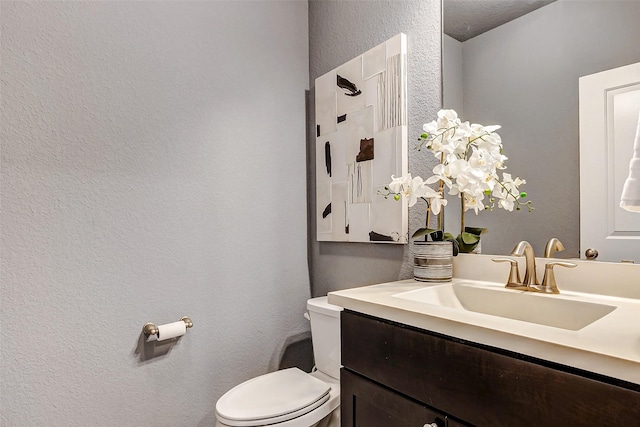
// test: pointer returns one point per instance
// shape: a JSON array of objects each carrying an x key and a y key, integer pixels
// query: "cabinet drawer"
[
  {"x": 476, "y": 384},
  {"x": 366, "y": 404}
]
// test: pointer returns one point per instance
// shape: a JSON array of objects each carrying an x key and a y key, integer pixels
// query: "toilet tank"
[{"x": 325, "y": 333}]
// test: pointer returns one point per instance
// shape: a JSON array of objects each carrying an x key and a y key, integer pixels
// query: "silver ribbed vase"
[{"x": 433, "y": 261}]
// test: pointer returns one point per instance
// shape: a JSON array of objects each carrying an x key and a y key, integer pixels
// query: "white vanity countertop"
[{"x": 609, "y": 346}]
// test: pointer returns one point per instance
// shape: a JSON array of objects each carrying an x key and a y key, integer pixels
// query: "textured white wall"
[
  {"x": 338, "y": 32},
  {"x": 452, "y": 66},
  {"x": 153, "y": 165},
  {"x": 524, "y": 76}
]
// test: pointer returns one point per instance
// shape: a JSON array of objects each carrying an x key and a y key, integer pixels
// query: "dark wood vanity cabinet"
[
  {"x": 396, "y": 376},
  {"x": 370, "y": 405}
]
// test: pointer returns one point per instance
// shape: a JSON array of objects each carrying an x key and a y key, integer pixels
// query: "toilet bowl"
[{"x": 291, "y": 397}]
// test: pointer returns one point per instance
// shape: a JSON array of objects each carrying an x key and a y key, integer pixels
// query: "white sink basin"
[{"x": 541, "y": 309}]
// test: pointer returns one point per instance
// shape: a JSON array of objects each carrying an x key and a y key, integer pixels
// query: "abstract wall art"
[{"x": 361, "y": 140}]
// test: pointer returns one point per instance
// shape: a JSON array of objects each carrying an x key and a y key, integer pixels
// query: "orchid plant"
[{"x": 470, "y": 157}]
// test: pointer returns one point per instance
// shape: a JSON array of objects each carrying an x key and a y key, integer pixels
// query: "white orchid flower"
[
  {"x": 457, "y": 168},
  {"x": 436, "y": 203},
  {"x": 450, "y": 115},
  {"x": 416, "y": 189},
  {"x": 512, "y": 185},
  {"x": 488, "y": 141},
  {"x": 474, "y": 201},
  {"x": 489, "y": 182},
  {"x": 430, "y": 128},
  {"x": 440, "y": 173},
  {"x": 448, "y": 119},
  {"x": 398, "y": 183},
  {"x": 412, "y": 189},
  {"x": 469, "y": 156},
  {"x": 506, "y": 178},
  {"x": 491, "y": 128},
  {"x": 463, "y": 131},
  {"x": 506, "y": 204},
  {"x": 500, "y": 159},
  {"x": 486, "y": 160},
  {"x": 453, "y": 148},
  {"x": 481, "y": 159},
  {"x": 466, "y": 183},
  {"x": 476, "y": 131},
  {"x": 518, "y": 182}
]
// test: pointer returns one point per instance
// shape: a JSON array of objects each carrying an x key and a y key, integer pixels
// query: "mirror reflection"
[{"x": 520, "y": 70}]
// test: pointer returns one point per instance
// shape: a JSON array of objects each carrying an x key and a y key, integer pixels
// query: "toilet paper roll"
[{"x": 171, "y": 330}]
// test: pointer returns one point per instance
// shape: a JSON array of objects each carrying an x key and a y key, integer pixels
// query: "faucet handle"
[
  {"x": 549, "y": 279},
  {"x": 514, "y": 272},
  {"x": 553, "y": 245}
]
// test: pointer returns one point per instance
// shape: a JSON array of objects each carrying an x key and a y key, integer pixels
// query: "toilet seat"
[{"x": 272, "y": 398}]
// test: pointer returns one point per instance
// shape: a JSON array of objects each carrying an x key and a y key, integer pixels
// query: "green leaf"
[
  {"x": 475, "y": 230},
  {"x": 449, "y": 236},
  {"x": 469, "y": 238},
  {"x": 422, "y": 232},
  {"x": 466, "y": 247}
]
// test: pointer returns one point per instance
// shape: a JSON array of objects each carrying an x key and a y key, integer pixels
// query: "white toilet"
[{"x": 291, "y": 397}]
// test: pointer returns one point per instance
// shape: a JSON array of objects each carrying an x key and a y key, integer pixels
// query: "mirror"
[{"x": 523, "y": 75}]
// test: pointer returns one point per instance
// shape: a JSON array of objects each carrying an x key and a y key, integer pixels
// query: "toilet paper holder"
[{"x": 152, "y": 329}]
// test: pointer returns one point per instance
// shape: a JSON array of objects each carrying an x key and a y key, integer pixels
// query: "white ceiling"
[{"x": 465, "y": 19}]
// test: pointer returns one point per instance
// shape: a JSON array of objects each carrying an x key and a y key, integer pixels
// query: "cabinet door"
[
  {"x": 481, "y": 386},
  {"x": 453, "y": 423},
  {"x": 367, "y": 404}
]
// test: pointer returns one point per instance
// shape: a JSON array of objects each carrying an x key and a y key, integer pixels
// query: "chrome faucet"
[
  {"x": 553, "y": 245},
  {"x": 525, "y": 248}
]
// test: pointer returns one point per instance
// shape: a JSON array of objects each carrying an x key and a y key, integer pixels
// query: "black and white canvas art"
[{"x": 361, "y": 141}]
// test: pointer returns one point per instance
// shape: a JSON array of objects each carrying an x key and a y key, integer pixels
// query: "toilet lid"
[{"x": 276, "y": 397}]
